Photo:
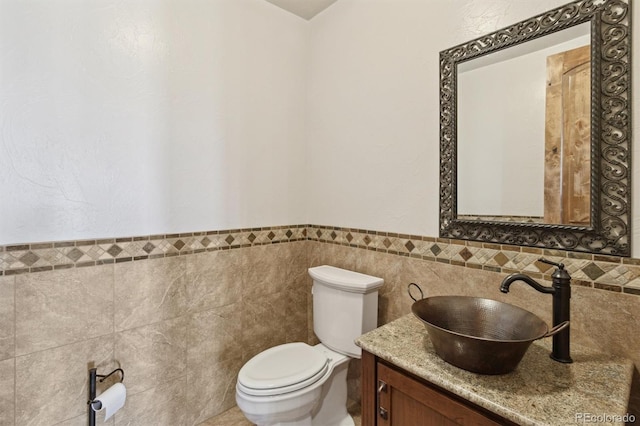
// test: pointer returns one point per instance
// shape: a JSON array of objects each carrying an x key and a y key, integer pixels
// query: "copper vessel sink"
[{"x": 480, "y": 335}]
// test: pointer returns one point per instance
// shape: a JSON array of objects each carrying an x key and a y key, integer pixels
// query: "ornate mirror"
[{"x": 535, "y": 132}]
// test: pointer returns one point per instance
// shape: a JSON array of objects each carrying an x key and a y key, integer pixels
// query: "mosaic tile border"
[
  {"x": 610, "y": 273},
  {"x": 28, "y": 258}
]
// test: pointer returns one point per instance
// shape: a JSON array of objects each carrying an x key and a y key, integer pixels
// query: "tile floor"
[{"x": 234, "y": 417}]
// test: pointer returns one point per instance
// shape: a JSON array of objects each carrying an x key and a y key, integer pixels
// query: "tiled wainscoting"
[
  {"x": 181, "y": 313},
  {"x": 180, "y": 327}
]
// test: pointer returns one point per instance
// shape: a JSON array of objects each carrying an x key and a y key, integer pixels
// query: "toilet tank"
[{"x": 345, "y": 306}]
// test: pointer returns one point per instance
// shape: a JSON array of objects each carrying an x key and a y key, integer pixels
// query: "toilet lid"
[{"x": 281, "y": 369}]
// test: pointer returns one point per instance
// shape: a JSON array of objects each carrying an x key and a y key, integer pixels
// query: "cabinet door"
[{"x": 403, "y": 401}]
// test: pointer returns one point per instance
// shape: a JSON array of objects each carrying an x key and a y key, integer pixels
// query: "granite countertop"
[{"x": 539, "y": 391}]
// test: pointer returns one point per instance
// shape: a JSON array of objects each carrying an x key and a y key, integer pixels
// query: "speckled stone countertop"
[{"x": 539, "y": 391}]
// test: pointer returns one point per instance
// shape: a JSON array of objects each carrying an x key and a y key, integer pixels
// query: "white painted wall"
[
  {"x": 140, "y": 117},
  {"x": 501, "y": 133},
  {"x": 373, "y": 118},
  {"x": 373, "y": 127},
  {"x": 130, "y": 118}
]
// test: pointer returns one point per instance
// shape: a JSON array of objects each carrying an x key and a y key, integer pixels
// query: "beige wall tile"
[
  {"x": 152, "y": 354},
  {"x": 214, "y": 357},
  {"x": 61, "y": 307},
  {"x": 296, "y": 310},
  {"x": 211, "y": 389},
  {"x": 214, "y": 335},
  {"x": 609, "y": 321},
  {"x": 7, "y": 318},
  {"x": 298, "y": 263},
  {"x": 149, "y": 291},
  {"x": 353, "y": 381},
  {"x": 82, "y": 421},
  {"x": 274, "y": 268},
  {"x": 7, "y": 395},
  {"x": 52, "y": 385},
  {"x": 604, "y": 319},
  {"x": 163, "y": 405},
  {"x": 263, "y": 316},
  {"x": 298, "y": 288},
  {"x": 267, "y": 271},
  {"x": 215, "y": 279}
]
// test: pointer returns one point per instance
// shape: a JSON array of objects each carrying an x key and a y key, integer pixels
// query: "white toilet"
[{"x": 298, "y": 384}]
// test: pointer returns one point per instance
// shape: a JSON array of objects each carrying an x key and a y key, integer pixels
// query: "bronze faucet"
[{"x": 561, "y": 291}]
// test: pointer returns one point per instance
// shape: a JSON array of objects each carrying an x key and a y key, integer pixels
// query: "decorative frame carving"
[{"x": 609, "y": 232}]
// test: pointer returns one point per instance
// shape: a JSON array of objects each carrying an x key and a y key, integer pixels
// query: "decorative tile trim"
[
  {"x": 27, "y": 258},
  {"x": 609, "y": 273}
]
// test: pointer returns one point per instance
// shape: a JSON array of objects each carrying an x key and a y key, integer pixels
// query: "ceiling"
[{"x": 306, "y": 9}]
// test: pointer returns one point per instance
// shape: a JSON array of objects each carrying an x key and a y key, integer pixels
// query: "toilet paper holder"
[{"x": 93, "y": 375}]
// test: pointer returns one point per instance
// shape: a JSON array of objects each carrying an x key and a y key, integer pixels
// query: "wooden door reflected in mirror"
[{"x": 567, "y": 172}]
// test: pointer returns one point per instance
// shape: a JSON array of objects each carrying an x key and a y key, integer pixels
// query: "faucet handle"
[
  {"x": 548, "y": 262},
  {"x": 558, "y": 274}
]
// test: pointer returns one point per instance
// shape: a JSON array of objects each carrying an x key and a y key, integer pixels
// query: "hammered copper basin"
[{"x": 480, "y": 335}]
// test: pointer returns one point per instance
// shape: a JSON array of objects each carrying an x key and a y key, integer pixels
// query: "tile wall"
[
  {"x": 180, "y": 326},
  {"x": 182, "y": 313}
]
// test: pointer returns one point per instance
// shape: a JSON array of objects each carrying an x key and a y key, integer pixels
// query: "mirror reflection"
[{"x": 524, "y": 131}]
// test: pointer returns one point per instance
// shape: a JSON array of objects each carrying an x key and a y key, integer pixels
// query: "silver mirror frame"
[{"x": 609, "y": 232}]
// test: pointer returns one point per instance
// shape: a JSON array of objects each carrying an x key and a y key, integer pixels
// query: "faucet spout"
[
  {"x": 561, "y": 291},
  {"x": 506, "y": 283}
]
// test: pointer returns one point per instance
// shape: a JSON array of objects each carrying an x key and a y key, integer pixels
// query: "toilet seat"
[{"x": 282, "y": 369}]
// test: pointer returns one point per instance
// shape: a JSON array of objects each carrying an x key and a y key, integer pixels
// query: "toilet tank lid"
[{"x": 343, "y": 279}]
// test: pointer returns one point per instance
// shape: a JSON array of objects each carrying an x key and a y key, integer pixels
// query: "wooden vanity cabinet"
[{"x": 394, "y": 397}]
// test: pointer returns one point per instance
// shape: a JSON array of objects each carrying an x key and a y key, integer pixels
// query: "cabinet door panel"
[
  {"x": 409, "y": 402},
  {"x": 407, "y": 411}
]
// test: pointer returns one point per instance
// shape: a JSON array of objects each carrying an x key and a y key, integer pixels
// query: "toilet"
[{"x": 298, "y": 384}]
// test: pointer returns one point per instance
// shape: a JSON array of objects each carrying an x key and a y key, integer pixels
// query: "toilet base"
[
  {"x": 308, "y": 421},
  {"x": 332, "y": 409},
  {"x": 322, "y": 404},
  {"x": 301, "y": 422}
]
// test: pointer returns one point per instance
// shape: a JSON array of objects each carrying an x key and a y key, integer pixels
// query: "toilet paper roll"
[{"x": 110, "y": 400}]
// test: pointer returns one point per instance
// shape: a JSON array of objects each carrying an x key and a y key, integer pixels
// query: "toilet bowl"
[
  {"x": 269, "y": 397},
  {"x": 302, "y": 385}
]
